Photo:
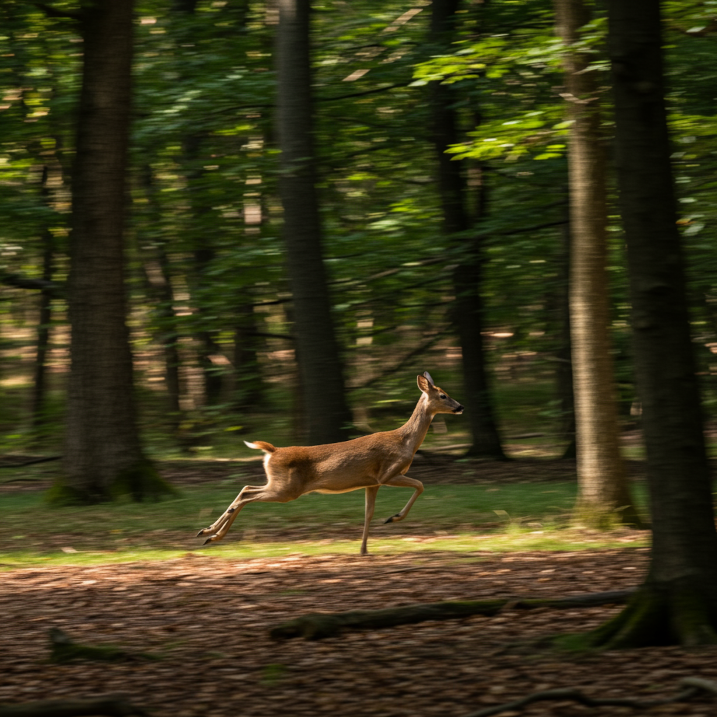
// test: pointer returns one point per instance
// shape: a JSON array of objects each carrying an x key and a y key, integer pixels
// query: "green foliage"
[{"x": 205, "y": 221}]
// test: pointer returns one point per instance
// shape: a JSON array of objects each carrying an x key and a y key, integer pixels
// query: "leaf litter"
[{"x": 208, "y": 619}]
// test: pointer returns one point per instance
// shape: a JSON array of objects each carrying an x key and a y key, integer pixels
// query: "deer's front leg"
[
  {"x": 371, "y": 493},
  {"x": 400, "y": 481}
]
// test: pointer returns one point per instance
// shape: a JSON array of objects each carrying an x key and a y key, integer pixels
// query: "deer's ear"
[
  {"x": 428, "y": 376},
  {"x": 422, "y": 383}
]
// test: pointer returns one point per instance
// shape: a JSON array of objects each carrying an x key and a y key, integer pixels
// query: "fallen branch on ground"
[
  {"x": 31, "y": 462},
  {"x": 109, "y": 705},
  {"x": 691, "y": 687},
  {"x": 64, "y": 649},
  {"x": 317, "y": 626}
]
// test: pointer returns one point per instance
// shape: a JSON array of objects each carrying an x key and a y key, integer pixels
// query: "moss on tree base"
[
  {"x": 673, "y": 614},
  {"x": 140, "y": 482},
  {"x": 607, "y": 518}
]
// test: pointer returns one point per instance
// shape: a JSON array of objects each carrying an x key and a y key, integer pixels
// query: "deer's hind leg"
[
  {"x": 249, "y": 494},
  {"x": 227, "y": 514}
]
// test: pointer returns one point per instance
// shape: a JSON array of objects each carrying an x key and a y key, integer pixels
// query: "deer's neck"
[{"x": 415, "y": 429}]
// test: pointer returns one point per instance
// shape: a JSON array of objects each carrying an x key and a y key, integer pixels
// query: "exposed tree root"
[
  {"x": 317, "y": 626},
  {"x": 691, "y": 687},
  {"x": 64, "y": 649},
  {"x": 673, "y": 614},
  {"x": 109, "y": 705}
]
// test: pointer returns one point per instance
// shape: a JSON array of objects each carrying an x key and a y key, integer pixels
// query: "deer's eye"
[{"x": 443, "y": 395}]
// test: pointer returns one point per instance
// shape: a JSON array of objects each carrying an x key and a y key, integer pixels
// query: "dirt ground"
[{"x": 208, "y": 619}]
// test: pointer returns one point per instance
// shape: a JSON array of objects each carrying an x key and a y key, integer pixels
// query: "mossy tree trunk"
[
  {"x": 102, "y": 454},
  {"x": 602, "y": 481},
  {"x": 678, "y": 601}
]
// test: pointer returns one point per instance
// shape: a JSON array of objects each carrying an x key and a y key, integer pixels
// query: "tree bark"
[
  {"x": 678, "y": 601},
  {"x": 467, "y": 312},
  {"x": 326, "y": 413},
  {"x": 103, "y": 456},
  {"x": 603, "y": 493}
]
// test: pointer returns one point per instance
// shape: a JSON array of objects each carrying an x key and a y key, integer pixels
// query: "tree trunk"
[
  {"x": 564, "y": 370},
  {"x": 248, "y": 385},
  {"x": 678, "y": 601},
  {"x": 208, "y": 347},
  {"x": 103, "y": 456},
  {"x": 467, "y": 313},
  {"x": 43, "y": 328},
  {"x": 326, "y": 412},
  {"x": 39, "y": 392},
  {"x": 602, "y": 483},
  {"x": 159, "y": 286}
]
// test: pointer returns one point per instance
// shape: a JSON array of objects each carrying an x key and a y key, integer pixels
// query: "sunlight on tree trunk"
[{"x": 603, "y": 494}]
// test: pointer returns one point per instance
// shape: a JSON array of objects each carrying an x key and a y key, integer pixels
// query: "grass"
[{"x": 461, "y": 518}]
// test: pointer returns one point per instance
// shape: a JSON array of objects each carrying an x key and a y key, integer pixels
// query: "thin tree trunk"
[
  {"x": 39, "y": 393},
  {"x": 248, "y": 384},
  {"x": 467, "y": 313},
  {"x": 326, "y": 413},
  {"x": 678, "y": 601},
  {"x": 103, "y": 455},
  {"x": 602, "y": 482},
  {"x": 564, "y": 354},
  {"x": 43, "y": 327},
  {"x": 159, "y": 285}
]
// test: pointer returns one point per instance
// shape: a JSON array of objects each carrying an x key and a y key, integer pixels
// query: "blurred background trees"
[{"x": 437, "y": 138}]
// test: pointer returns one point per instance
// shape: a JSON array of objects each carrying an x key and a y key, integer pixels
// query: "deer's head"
[{"x": 438, "y": 400}]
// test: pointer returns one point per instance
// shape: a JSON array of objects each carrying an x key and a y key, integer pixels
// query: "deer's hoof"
[
  {"x": 210, "y": 539},
  {"x": 391, "y": 519},
  {"x": 201, "y": 532}
]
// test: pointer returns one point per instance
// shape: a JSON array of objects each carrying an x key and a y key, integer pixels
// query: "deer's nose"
[{"x": 459, "y": 409}]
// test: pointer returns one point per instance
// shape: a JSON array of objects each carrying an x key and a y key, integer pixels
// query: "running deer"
[{"x": 367, "y": 462}]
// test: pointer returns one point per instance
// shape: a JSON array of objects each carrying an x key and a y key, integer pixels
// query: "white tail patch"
[{"x": 252, "y": 445}]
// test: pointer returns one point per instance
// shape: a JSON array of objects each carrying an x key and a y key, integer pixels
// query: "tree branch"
[
  {"x": 51, "y": 11},
  {"x": 22, "y": 282},
  {"x": 571, "y": 693},
  {"x": 403, "y": 362},
  {"x": 374, "y": 91},
  {"x": 30, "y": 462}
]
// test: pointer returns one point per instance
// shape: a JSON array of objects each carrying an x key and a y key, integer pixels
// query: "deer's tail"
[{"x": 261, "y": 446}]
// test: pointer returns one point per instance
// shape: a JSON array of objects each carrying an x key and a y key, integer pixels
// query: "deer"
[{"x": 369, "y": 462}]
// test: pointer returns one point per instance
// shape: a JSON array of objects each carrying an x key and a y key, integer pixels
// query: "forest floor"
[{"x": 207, "y": 618}]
